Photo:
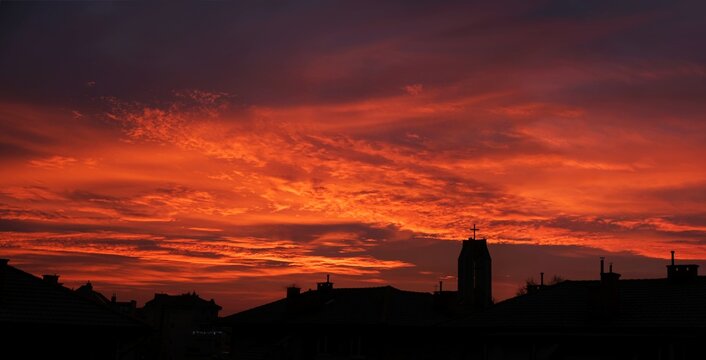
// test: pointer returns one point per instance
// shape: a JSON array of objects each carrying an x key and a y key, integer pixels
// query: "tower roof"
[{"x": 477, "y": 249}]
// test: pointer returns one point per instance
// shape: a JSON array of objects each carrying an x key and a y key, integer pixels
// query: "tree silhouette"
[{"x": 532, "y": 283}]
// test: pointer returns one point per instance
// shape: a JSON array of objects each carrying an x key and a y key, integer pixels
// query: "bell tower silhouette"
[{"x": 474, "y": 273}]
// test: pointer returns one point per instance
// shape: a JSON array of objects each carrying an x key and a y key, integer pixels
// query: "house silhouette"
[
  {"x": 376, "y": 322},
  {"x": 185, "y": 327},
  {"x": 595, "y": 319},
  {"x": 41, "y": 319},
  {"x": 608, "y": 318}
]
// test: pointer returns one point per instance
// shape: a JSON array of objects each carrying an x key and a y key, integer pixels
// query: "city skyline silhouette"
[
  {"x": 455, "y": 158},
  {"x": 547, "y": 320}
]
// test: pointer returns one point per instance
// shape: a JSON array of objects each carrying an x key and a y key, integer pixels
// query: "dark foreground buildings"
[
  {"x": 40, "y": 319},
  {"x": 599, "y": 319},
  {"x": 608, "y": 318},
  {"x": 185, "y": 327},
  {"x": 363, "y": 323}
]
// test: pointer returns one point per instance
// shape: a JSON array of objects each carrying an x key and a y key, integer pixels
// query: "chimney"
[
  {"x": 51, "y": 279},
  {"x": 541, "y": 279},
  {"x": 325, "y": 286},
  {"x": 681, "y": 272},
  {"x": 602, "y": 260},
  {"x": 292, "y": 292},
  {"x": 608, "y": 293},
  {"x": 609, "y": 278},
  {"x": 446, "y": 302}
]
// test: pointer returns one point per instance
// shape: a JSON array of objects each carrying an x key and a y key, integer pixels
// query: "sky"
[{"x": 237, "y": 148}]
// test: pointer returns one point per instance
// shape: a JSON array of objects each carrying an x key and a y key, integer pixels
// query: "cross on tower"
[{"x": 474, "y": 228}]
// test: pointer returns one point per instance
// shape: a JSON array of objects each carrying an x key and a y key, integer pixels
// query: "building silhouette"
[
  {"x": 606, "y": 318},
  {"x": 185, "y": 327},
  {"x": 328, "y": 322},
  {"x": 363, "y": 323},
  {"x": 475, "y": 273},
  {"x": 41, "y": 319},
  {"x": 126, "y": 307}
]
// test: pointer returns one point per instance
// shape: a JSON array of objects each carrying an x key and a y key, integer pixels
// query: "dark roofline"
[
  {"x": 310, "y": 291},
  {"x": 467, "y": 322},
  {"x": 137, "y": 322},
  {"x": 587, "y": 282},
  {"x": 173, "y": 299}
]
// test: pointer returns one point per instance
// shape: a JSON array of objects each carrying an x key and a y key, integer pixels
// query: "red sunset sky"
[{"x": 235, "y": 148}]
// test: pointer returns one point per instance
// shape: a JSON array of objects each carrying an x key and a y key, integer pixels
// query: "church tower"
[{"x": 474, "y": 273}]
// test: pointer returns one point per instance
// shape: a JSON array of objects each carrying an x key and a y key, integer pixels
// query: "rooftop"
[
  {"x": 187, "y": 300},
  {"x": 642, "y": 303},
  {"x": 384, "y": 305},
  {"x": 25, "y": 298}
]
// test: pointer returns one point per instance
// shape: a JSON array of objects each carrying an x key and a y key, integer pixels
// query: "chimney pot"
[
  {"x": 52, "y": 279},
  {"x": 602, "y": 265},
  {"x": 325, "y": 286},
  {"x": 292, "y": 292}
]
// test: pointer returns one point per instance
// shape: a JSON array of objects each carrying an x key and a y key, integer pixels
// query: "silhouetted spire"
[
  {"x": 474, "y": 272},
  {"x": 474, "y": 229}
]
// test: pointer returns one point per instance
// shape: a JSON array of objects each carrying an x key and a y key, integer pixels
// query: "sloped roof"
[
  {"x": 475, "y": 248},
  {"x": 188, "y": 300},
  {"x": 87, "y": 291},
  {"x": 643, "y": 304},
  {"x": 27, "y": 299},
  {"x": 374, "y": 306}
]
